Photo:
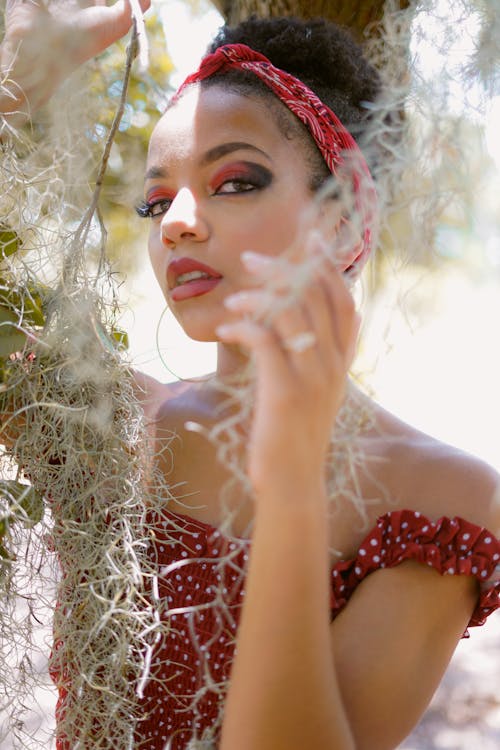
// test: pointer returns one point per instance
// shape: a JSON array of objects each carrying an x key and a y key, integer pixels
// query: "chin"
[
  {"x": 198, "y": 329},
  {"x": 206, "y": 338},
  {"x": 199, "y": 322}
]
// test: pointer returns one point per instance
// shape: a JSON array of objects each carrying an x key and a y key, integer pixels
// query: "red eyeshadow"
[
  {"x": 160, "y": 194},
  {"x": 231, "y": 171}
]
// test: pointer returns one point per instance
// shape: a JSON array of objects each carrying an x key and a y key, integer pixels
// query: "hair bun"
[{"x": 320, "y": 53}]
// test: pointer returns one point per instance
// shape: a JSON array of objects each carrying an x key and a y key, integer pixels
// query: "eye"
[
  {"x": 236, "y": 185},
  {"x": 243, "y": 177},
  {"x": 153, "y": 208}
]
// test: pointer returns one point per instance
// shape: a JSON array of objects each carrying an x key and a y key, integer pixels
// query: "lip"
[{"x": 193, "y": 288}]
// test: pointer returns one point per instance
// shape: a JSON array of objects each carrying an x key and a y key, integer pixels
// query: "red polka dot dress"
[{"x": 201, "y": 589}]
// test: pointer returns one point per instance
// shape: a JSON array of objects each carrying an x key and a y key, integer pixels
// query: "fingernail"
[
  {"x": 223, "y": 330},
  {"x": 232, "y": 301},
  {"x": 254, "y": 260}
]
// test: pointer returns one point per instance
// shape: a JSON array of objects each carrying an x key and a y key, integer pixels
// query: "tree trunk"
[{"x": 357, "y": 15}]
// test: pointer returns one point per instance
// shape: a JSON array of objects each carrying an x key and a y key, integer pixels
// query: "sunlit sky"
[
  {"x": 441, "y": 374},
  {"x": 187, "y": 33}
]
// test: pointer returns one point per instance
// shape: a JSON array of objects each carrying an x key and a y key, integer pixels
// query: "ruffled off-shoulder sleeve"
[{"x": 452, "y": 546}]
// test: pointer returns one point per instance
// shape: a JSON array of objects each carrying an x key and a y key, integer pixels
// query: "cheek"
[{"x": 270, "y": 230}]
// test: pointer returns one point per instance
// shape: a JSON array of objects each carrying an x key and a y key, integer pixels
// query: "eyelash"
[
  {"x": 146, "y": 210},
  {"x": 156, "y": 208},
  {"x": 236, "y": 181}
]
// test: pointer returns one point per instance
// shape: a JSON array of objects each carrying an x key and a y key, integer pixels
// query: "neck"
[{"x": 232, "y": 363}]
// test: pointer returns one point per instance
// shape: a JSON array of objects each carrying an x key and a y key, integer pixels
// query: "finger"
[
  {"x": 259, "y": 341},
  {"x": 275, "y": 271},
  {"x": 257, "y": 303},
  {"x": 298, "y": 337},
  {"x": 11, "y": 4},
  {"x": 106, "y": 25},
  {"x": 297, "y": 316},
  {"x": 263, "y": 304},
  {"x": 344, "y": 318},
  {"x": 291, "y": 326},
  {"x": 320, "y": 316}
]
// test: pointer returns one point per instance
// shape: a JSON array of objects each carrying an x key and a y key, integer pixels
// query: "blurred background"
[{"x": 429, "y": 349}]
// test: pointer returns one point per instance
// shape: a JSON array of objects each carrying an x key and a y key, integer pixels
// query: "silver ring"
[{"x": 300, "y": 342}]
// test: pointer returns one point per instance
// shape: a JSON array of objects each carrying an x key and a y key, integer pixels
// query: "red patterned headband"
[{"x": 336, "y": 144}]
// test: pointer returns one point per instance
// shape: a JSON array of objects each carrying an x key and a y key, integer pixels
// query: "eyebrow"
[
  {"x": 154, "y": 172},
  {"x": 227, "y": 148},
  {"x": 210, "y": 156}
]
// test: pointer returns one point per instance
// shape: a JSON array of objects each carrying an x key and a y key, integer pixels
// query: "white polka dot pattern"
[
  {"x": 201, "y": 589},
  {"x": 450, "y": 546}
]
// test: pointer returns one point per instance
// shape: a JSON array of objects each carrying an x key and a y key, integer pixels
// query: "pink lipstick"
[{"x": 188, "y": 278}]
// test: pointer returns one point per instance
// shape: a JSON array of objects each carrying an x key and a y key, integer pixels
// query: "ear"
[{"x": 340, "y": 232}]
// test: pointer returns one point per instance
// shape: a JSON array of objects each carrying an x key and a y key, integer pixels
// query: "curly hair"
[{"x": 321, "y": 54}]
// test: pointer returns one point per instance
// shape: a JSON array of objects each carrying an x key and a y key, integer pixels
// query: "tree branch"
[{"x": 357, "y": 15}]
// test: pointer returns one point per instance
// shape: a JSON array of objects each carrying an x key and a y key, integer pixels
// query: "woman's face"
[{"x": 221, "y": 179}]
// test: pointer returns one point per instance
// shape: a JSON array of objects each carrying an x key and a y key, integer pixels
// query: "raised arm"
[
  {"x": 299, "y": 680},
  {"x": 45, "y": 40},
  {"x": 284, "y": 691}
]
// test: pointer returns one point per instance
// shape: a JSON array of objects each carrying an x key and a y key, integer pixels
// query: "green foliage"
[
  {"x": 121, "y": 338},
  {"x": 10, "y": 242},
  {"x": 11, "y": 338},
  {"x": 18, "y": 307}
]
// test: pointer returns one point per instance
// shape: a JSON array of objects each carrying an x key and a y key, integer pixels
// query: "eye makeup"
[
  {"x": 157, "y": 203},
  {"x": 243, "y": 176},
  {"x": 254, "y": 176}
]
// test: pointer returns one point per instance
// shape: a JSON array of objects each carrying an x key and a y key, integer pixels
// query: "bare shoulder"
[
  {"x": 436, "y": 478},
  {"x": 462, "y": 482},
  {"x": 153, "y": 395}
]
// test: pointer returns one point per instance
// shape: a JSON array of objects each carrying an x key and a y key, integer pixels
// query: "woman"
[{"x": 346, "y": 622}]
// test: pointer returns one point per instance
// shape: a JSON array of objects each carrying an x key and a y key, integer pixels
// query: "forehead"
[{"x": 205, "y": 117}]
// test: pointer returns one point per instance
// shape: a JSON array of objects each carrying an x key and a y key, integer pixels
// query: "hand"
[
  {"x": 45, "y": 40},
  {"x": 302, "y": 358}
]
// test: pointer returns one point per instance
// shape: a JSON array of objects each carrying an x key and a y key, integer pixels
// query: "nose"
[{"x": 183, "y": 220}]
